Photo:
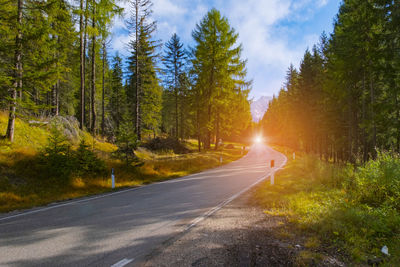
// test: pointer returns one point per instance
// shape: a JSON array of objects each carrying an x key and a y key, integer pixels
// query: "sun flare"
[{"x": 258, "y": 139}]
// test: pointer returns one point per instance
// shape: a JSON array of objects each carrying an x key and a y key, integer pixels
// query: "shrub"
[
  {"x": 55, "y": 160},
  {"x": 87, "y": 162},
  {"x": 354, "y": 208},
  {"x": 58, "y": 161},
  {"x": 378, "y": 182},
  {"x": 166, "y": 144},
  {"x": 127, "y": 142}
]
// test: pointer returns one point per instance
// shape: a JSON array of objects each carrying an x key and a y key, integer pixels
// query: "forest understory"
[{"x": 46, "y": 166}]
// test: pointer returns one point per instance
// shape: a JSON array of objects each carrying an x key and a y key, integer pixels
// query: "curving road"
[{"x": 121, "y": 228}]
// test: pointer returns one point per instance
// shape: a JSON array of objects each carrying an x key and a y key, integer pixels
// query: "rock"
[
  {"x": 38, "y": 123},
  {"x": 69, "y": 126},
  {"x": 375, "y": 261},
  {"x": 229, "y": 146},
  {"x": 385, "y": 250}
]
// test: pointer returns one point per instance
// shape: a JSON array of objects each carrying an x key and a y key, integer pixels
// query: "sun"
[{"x": 258, "y": 139}]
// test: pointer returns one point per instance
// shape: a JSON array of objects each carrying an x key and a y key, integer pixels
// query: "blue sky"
[{"x": 274, "y": 33}]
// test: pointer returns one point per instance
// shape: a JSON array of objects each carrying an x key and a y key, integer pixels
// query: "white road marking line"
[
  {"x": 227, "y": 201},
  {"x": 122, "y": 262},
  {"x": 185, "y": 178},
  {"x": 182, "y": 179}
]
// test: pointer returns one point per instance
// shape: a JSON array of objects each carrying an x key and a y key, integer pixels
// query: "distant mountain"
[{"x": 259, "y": 107}]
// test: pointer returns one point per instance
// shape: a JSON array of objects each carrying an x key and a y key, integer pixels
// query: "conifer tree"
[
  {"x": 174, "y": 68},
  {"x": 219, "y": 72},
  {"x": 17, "y": 75},
  {"x": 142, "y": 74},
  {"x": 117, "y": 103}
]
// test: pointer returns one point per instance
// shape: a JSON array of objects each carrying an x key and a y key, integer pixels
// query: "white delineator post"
[
  {"x": 272, "y": 172},
  {"x": 294, "y": 155},
  {"x": 112, "y": 179}
]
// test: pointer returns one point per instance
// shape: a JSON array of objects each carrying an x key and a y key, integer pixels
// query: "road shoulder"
[{"x": 240, "y": 234}]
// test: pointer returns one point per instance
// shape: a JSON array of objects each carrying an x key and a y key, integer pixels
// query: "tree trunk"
[
  {"x": 208, "y": 141},
  {"x": 93, "y": 100},
  {"x": 198, "y": 128},
  {"x": 54, "y": 95},
  {"x": 372, "y": 93},
  {"x": 182, "y": 133},
  {"x": 137, "y": 85},
  {"x": 176, "y": 114},
  {"x": 102, "y": 97},
  {"x": 350, "y": 132},
  {"x": 398, "y": 126},
  {"x": 82, "y": 68},
  {"x": 176, "y": 98},
  {"x": 17, "y": 86},
  {"x": 85, "y": 39},
  {"x": 364, "y": 134},
  {"x": 217, "y": 136},
  {"x": 58, "y": 98}
]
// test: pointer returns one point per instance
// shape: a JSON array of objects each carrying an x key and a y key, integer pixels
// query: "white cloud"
[
  {"x": 268, "y": 44},
  {"x": 321, "y": 3},
  {"x": 119, "y": 43},
  {"x": 167, "y": 8}
]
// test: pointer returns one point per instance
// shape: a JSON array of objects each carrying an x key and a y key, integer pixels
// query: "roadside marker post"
[
  {"x": 220, "y": 159},
  {"x": 112, "y": 179},
  {"x": 294, "y": 155},
  {"x": 272, "y": 172}
]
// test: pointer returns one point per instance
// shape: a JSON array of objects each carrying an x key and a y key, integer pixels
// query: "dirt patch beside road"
[{"x": 240, "y": 234}]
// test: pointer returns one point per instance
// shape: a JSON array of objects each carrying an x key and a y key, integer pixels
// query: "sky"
[{"x": 274, "y": 33}]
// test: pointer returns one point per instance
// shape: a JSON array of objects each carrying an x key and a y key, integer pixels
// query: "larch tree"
[{"x": 219, "y": 72}]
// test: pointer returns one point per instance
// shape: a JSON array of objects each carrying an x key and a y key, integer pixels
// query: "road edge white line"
[
  {"x": 230, "y": 199},
  {"x": 86, "y": 199},
  {"x": 122, "y": 262}
]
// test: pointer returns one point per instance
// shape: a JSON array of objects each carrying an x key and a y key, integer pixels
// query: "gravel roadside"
[{"x": 239, "y": 234}]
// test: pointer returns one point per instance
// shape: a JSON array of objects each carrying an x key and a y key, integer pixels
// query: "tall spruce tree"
[
  {"x": 118, "y": 102},
  {"x": 174, "y": 61},
  {"x": 17, "y": 75},
  {"x": 145, "y": 106}
]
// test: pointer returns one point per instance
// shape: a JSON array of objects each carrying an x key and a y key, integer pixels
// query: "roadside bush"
[
  {"x": 377, "y": 183},
  {"x": 127, "y": 142},
  {"x": 56, "y": 161},
  {"x": 59, "y": 162},
  {"x": 86, "y": 161},
  {"x": 166, "y": 144},
  {"x": 354, "y": 208}
]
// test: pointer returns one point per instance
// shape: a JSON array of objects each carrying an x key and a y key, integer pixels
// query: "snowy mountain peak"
[{"x": 259, "y": 107}]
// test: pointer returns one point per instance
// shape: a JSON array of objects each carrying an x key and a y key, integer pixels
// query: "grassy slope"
[
  {"x": 354, "y": 211},
  {"x": 20, "y": 188}
]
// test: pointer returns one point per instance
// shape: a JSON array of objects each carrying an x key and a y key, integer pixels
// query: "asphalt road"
[{"x": 123, "y": 227}]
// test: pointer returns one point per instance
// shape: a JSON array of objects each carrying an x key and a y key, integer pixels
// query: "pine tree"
[
  {"x": 174, "y": 63},
  {"x": 7, "y": 34},
  {"x": 82, "y": 49},
  {"x": 118, "y": 102},
  {"x": 142, "y": 76},
  {"x": 17, "y": 76}
]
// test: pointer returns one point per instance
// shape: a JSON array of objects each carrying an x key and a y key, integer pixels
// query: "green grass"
[
  {"x": 352, "y": 209},
  {"x": 23, "y": 185}
]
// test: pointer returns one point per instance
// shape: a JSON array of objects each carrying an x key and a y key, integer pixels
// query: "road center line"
[
  {"x": 122, "y": 262},
  {"x": 227, "y": 201}
]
